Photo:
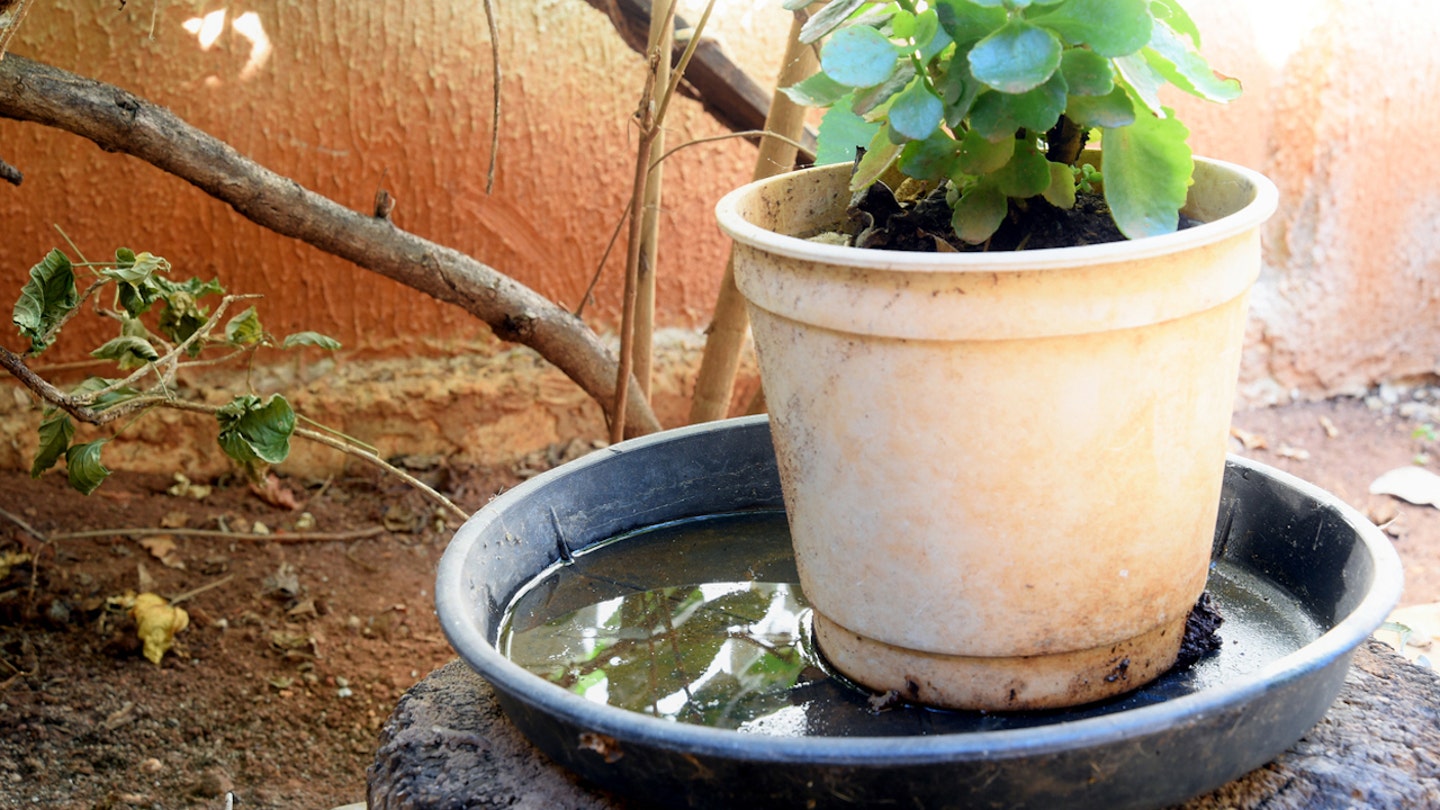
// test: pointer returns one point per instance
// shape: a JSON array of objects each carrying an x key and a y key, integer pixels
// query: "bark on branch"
[{"x": 118, "y": 121}]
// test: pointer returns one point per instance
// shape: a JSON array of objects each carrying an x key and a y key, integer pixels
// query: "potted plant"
[{"x": 1001, "y": 467}]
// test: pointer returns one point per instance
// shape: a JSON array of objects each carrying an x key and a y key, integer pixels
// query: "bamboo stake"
[
  {"x": 662, "y": 36},
  {"x": 726, "y": 335}
]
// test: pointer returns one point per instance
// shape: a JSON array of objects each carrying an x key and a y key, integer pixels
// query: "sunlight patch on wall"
[{"x": 207, "y": 31}]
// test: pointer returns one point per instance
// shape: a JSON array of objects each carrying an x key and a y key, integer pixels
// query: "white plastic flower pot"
[{"x": 1001, "y": 470}]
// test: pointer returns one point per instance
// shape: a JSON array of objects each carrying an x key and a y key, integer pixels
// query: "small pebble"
[{"x": 152, "y": 766}]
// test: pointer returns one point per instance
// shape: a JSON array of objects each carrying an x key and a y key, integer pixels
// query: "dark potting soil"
[
  {"x": 882, "y": 221},
  {"x": 1202, "y": 633}
]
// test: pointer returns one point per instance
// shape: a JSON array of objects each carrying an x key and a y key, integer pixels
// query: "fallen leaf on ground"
[
  {"x": 1329, "y": 427},
  {"x": 184, "y": 489},
  {"x": 10, "y": 559},
  {"x": 157, "y": 622},
  {"x": 275, "y": 493},
  {"x": 1251, "y": 441},
  {"x": 162, "y": 548},
  {"x": 1410, "y": 484},
  {"x": 175, "y": 520},
  {"x": 1296, "y": 453}
]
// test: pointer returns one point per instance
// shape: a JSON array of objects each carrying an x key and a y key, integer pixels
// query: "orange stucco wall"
[
  {"x": 1338, "y": 110},
  {"x": 346, "y": 97}
]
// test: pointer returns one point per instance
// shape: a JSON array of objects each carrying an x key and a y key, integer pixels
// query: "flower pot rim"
[{"x": 1250, "y": 216}]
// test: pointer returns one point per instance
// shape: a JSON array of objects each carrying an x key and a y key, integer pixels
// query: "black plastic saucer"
[{"x": 1306, "y": 578}]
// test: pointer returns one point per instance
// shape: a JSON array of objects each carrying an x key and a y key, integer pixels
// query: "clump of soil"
[
  {"x": 1202, "y": 633},
  {"x": 882, "y": 220}
]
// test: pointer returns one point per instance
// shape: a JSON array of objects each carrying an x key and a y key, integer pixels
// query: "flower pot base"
[{"x": 1000, "y": 684}]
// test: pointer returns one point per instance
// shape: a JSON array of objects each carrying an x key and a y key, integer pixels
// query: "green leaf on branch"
[
  {"x": 310, "y": 339},
  {"x": 1172, "y": 57},
  {"x": 870, "y": 102},
  {"x": 181, "y": 318},
  {"x": 841, "y": 133},
  {"x": 817, "y": 91},
  {"x": 1108, "y": 27},
  {"x": 1017, "y": 58},
  {"x": 83, "y": 467},
  {"x": 92, "y": 385},
  {"x": 45, "y": 299},
  {"x": 244, "y": 329},
  {"x": 135, "y": 269},
  {"x": 979, "y": 212},
  {"x": 128, "y": 351},
  {"x": 56, "y": 430},
  {"x": 958, "y": 90},
  {"x": 253, "y": 431},
  {"x": 1147, "y": 175},
  {"x": 916, "y": 112},
  {"x": 859, "y": 56},
  {"x": 828, "y": 19}
]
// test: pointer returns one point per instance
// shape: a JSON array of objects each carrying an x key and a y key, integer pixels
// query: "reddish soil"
[{"x": 301, "y": 649}]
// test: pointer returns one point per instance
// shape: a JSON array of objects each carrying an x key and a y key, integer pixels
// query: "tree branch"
[{"x": 118, "y": 121}]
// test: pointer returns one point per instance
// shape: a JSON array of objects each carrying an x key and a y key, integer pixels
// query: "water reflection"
[{"x": 722, "y": 654}]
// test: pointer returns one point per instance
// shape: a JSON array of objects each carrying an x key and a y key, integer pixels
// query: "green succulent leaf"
[
  {"x": 129, "y": 351},
  {"x": 1087, "y": 73},
  {"x": 244, "y": 329},
  {"x": 873, "y": 102},
  {"x": 1108, "y": 27},
  {"x": 916, "y": 113},
  {"x": 1176, "y": 17},
  {"x": 966, "y": 22},
  {"x": 1147, "y": 174},
  {"x": 827, "y": 19},
  {"x": 83, "y": 467},
  {"x": 1173, "y": 57},
  {"x": 841, "y": 132},
  {"x": 1016, "y": 58},
  {"x": 45, "y": 299},
  {"x": 1026, "y": 174},
  {"x": 310, "y": 339},
  {"x": 979, "y": 212},
  {"x": 1142, "y": 81},
  {"x": 1061, "y": 191},
  {"x": 859, "y": 56},
  {"x": 56, "y": 430},
  {"x": 958, "y": 90},
  {"x": 253, "y": 431},
  {"x": 990, "y": 3},
  {"x": 879, "y": 156},
  {"x": 817, "y": 91},
  {"x": 980, "y": 155},
  {"x": 929, "y": 38},
  {"x": 930, "y": 159},
  {"x": 1111, "y": 110},
  {"x": 1000, "y": 115}
]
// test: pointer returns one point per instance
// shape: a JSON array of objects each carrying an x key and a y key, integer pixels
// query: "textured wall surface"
[{"x": 346, "y": 97}]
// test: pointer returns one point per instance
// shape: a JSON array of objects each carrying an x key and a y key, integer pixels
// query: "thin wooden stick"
[{"x": 726, "y": 335}]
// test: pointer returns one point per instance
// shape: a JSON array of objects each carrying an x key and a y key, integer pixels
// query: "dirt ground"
[{"x": 297, "y": 650}]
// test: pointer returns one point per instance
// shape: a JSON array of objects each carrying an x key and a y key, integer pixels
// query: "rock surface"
[{"x": 447, "y": 745}]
